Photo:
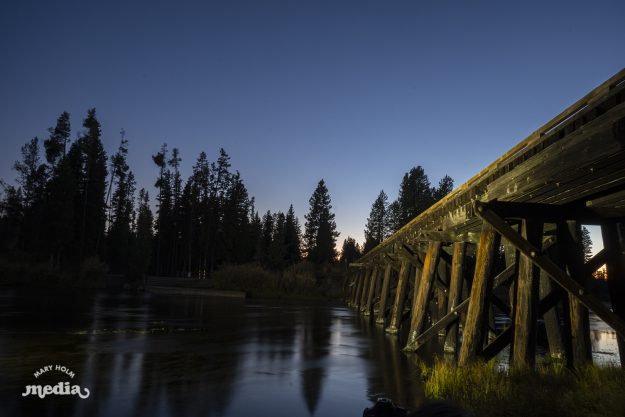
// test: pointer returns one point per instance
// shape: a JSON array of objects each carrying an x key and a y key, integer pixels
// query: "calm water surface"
[
  {"x": 165, "y": 355},
  {"x": 162, "y": 355}
]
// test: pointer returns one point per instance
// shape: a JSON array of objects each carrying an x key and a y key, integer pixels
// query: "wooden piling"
[
  {"x": 526, "y": 301},
  {"x": 364, "y": 291},
  {"x": 473, "y": 334},
  {"x": 372, "y": 285},
  {"x": 569, "y": 235},
  {"x": 400, "y": 295},
  {"x": 386, "y": 284},
  {"x": 455, "y": 292},
  {"x": 423, "y": 291}
]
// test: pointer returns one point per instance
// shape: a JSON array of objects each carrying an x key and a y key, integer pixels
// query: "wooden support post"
[
  {"x": 365, "y": 288},
  {"x": 386, "y": 284},
  {"x": 371, "y": 293},
  {"x": 551, "y": 316},
  {"x": 442, "y": 291},
  {"x": 423, "y": 291},
  {"x": 353, "y": 288},
  {"x": 473, "y": 335},
  {"x": 615, "y": 265},
  {"x": 400, "y": 296},
  {"x": 455, "y": 291},
  {"x": 569, "y": 235},
  {"x": 526, "y": 301},
  {"x": 359, "y": 284}
]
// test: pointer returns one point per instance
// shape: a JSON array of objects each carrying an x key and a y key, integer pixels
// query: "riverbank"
[
  {"x": 550, "y": 390},
  {"x": 300, "y": 281}
]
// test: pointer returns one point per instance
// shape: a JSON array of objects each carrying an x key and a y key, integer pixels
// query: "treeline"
[
  {"x": 415, "y": 196},
  {"x": 75, "y": 204}
]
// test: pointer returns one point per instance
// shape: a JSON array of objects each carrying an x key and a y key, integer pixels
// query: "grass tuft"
[{"x": 550, "y": 390}]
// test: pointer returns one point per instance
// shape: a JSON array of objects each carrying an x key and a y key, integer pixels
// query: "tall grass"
[{"x": 550, "y": 390}]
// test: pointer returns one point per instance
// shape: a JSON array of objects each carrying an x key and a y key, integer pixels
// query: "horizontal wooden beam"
[
  {"x": 447, "y": 236},
  {"x": 547, "y": 213}
]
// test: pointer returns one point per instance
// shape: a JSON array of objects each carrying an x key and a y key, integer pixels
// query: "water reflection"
[{"x": 188, "y": 356}]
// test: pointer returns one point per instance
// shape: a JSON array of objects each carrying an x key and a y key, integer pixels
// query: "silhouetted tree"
[
  {"x": 88, "y": 160},
  {"x": 292, "y": 237},
  {"x": 320, "y": 235},
  {"x": 350, "y": 251},
  {"x": 378, "y": 225},
  {"x": 61, "y": 191},
  {"x": 445, "y": 186},
  {"x": 586, "y": 243},
  {"x": 141, "y": 246},
  {"x": 121, "y": 212}
]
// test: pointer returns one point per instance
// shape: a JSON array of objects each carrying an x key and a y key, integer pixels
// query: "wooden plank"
[
  {"x": 423, "y": 291},
  {"x": 526, "y": 302},
  {"x": 455, "y": 292},
  {"x": 400, "y": 296},
  {"x": 473, "y": 336},
  {"x": 381, "y": 319}
]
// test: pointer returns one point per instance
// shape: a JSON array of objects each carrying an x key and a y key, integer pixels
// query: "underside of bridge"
[{"x": 509, "y": 241}]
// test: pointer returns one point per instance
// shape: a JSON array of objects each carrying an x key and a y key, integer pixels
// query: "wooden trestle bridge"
[{"x": 509, "y": 242}]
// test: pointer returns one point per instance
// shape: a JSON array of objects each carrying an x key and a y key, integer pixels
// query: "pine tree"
[
  {"x": 176, "y": 217},
  {"x": 141, "y": 247},
  {"x": 394, "y": 217},
  {"x": 56, "y": 144},
  {"x": 122, "y": 210},
  {"x": 292, "y": 237},
  {"x": 277, "y": 247},
  {"x": 415, "y": 195},
  {"x": 378, "y": 225},
  {"x": 320, "y": 235},
  {"x": 61, "y": 191},
  {"x": 32, "y": 179},
  {"x": 236, "y": 244},
  {"x": 586, "y": 242},
  {"x": 163, "y": 214},
  {"x": 350, "y": 251},
  {"x": 445, "y": 186},
  {"x": 266, "y": 238},
  {"x": 88, "y": 159}
]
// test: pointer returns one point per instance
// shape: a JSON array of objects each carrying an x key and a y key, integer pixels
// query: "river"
[{"x": 165, "y": 355}]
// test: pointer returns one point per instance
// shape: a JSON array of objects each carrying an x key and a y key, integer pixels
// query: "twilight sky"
[{"x": 355, "y": 92}]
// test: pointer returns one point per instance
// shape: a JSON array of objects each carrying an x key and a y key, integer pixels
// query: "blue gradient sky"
[{"x": 355, "y": 92}]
